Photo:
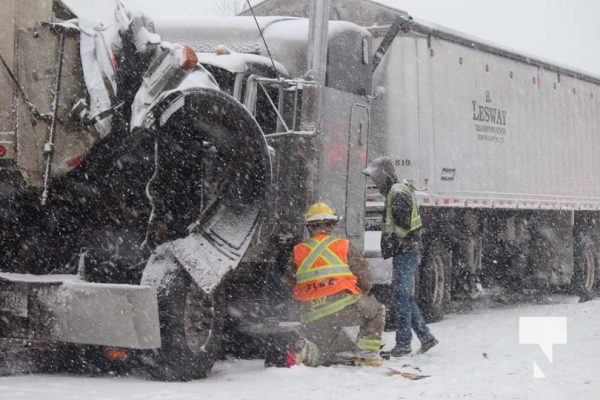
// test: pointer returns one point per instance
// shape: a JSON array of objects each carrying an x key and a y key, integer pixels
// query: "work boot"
[
  {"x": 399, "y": 351},
  {"x": 370, "y": 358},
  {"x": 360, "y": 357},
  {"x": 426, "y": 345}
]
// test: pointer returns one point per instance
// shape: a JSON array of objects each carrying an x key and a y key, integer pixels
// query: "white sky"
[{"x": 567, "y": 32}]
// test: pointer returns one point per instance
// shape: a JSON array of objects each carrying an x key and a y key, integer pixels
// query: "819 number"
[{"x": 402, "y": 163}]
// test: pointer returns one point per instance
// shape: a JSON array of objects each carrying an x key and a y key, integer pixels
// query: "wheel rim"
[
  {"x": 589, "y": 269},
  {"x": 438, "y": 281},
  {"x": 199, "y": 317}
]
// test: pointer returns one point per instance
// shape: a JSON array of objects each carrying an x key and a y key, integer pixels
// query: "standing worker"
[
  {"x": 332, "y": 282},
  {"x": 401, "y": 239}
]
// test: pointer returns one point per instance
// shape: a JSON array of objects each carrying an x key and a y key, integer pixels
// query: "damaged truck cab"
[{"x": 153, "y": 192}]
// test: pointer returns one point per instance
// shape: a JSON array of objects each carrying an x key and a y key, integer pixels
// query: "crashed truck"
[{"x": 151, "y": 194}]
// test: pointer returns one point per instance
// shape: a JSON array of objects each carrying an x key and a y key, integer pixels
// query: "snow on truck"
[{"x": 151, "y": 191}]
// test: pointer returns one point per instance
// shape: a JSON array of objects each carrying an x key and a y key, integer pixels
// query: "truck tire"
[
  {"x": 434, "y": 282},
  {"x": 584, "y": 277},
  {"x": 191, "y": 328}
]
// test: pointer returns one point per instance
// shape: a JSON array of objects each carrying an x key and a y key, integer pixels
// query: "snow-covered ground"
[{"x": 479, "y": 357}]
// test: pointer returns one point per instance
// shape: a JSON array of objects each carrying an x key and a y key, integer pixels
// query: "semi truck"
[
  {"x": 154, "y": 178},
  {"x": 500, "y": 146}
]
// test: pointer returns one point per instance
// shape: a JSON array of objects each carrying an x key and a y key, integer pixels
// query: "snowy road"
[{"x": 458, "y": 368}]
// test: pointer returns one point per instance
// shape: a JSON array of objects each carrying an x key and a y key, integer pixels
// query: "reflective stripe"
[
  {"x": 335, "y": 266},
  {"x": 316, "y": 248},
  {"x": 331, "y": 257},
  {"x": 322, "y": 273},
  {"x": 330, "y": 308},
  {"x": 369, "y": 344},
  {"x": 389, "y": 225}
]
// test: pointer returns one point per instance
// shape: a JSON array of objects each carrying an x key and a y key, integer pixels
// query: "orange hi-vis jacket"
[{"x": 322, "y": 268}]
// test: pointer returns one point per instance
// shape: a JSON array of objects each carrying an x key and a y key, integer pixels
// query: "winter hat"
[{"x": 381, "y": 171}]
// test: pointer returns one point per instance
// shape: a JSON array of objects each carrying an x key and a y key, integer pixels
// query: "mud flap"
[{"x": 207, "y": 255}]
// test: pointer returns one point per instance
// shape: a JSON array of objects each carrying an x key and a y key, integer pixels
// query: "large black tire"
[
  {"x": 191, "y": 328},
  {"x": 434, "y": 281},
  {"x": 585, "y": 267}
]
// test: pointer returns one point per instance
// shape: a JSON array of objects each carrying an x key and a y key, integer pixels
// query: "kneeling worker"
[{"x": 333, "y": 283}]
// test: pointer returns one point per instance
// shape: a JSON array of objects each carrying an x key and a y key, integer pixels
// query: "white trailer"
[
  {"x": 478, "y": 126},
  {"x": 502, "y": 148}
]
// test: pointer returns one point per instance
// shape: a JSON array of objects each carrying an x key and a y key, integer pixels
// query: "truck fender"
[{"x": 189, "y": 269}]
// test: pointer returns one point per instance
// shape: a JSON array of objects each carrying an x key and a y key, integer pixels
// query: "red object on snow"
[{"x": 290, "y": 357}]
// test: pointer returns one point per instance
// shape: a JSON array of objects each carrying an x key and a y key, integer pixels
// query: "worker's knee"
[{"x": 372, "y": 307}]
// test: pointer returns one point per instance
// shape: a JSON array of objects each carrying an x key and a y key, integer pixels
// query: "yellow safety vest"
[{"x": 389, "y": 225}]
